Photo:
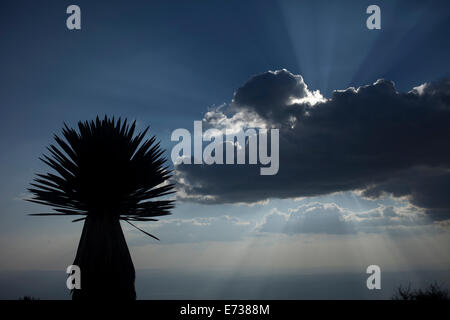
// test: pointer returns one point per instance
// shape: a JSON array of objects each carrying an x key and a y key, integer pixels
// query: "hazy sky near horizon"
[{"x": 168, "y": 63}]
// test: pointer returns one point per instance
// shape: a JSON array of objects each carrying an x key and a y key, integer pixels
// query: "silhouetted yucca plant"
[{"x": 105, "y": 173}]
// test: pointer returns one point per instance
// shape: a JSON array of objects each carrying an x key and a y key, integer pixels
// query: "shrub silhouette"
[
  {"x": 432, "y": 292},
  {"x": 105, "y": 173}
]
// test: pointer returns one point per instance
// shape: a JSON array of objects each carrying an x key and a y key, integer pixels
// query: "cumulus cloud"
[
  {"x": 310, "y": 218},
  {"x": 329, "y": 218},
  {"x": 372, "y": 138}
]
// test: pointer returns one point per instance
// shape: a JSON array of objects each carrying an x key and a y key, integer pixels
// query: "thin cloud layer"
[
  {"x": 308, "y": 219},
  {"x": 372, "y": 138},
  {"x": 329, "y": 218},
  {"x": 221, "y": 228}
]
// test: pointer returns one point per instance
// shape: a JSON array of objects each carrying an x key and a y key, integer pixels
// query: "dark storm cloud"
[
  {"x": 427, "y": 188},
  {"x": 372, "y": 138},
  {"x": 269, "y": 93}
]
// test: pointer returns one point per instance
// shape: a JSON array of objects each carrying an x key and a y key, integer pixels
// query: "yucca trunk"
[{"x": 107, "y": 271}]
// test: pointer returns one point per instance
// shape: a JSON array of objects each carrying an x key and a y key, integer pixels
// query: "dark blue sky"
[{"x": 165, "y": 63}]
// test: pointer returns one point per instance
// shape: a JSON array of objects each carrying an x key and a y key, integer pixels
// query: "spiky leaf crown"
[{"x": 104, "y": 169}]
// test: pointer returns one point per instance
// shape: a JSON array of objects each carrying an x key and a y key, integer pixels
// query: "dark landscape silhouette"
[{"x": 433, "y": 292}]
